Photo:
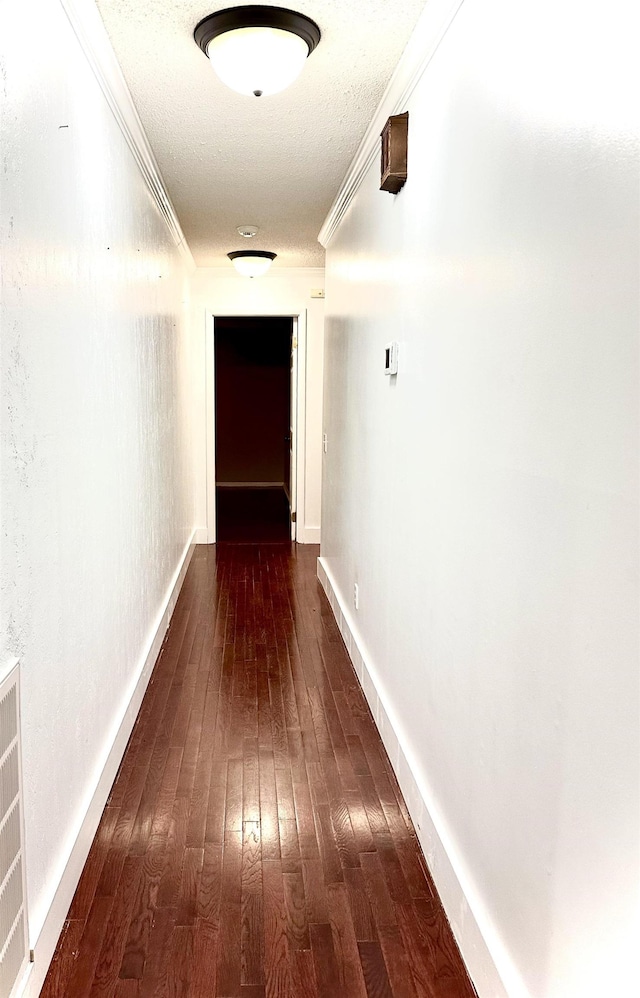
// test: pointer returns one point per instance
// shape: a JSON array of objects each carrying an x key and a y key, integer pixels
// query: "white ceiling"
[{"x": 276, "y": 162}]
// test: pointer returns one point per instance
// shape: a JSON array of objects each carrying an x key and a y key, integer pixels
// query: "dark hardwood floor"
[{"x": 255, "y": 842}]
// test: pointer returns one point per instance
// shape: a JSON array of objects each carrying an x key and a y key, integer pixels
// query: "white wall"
[
  {"x": 486, "y": 500},
  {"x": 285, "y": 291},
  {"x": 97, "y": 497}
]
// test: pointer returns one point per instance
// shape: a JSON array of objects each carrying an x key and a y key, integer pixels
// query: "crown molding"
[
  {"x": 431, "y": 28},
  {"x": 91, "y": 34}
]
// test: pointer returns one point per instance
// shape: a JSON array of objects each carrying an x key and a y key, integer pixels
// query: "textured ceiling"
[{"x": 276, "y": 162}]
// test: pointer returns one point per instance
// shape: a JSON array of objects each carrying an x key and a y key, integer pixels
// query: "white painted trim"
[
  {"x": 301, "y": 428},
  {"x": 427, "y": 35},
  {"x": 200, "y": 535},
  {"x": 94, "y": 42},
  {"x": 309, "y": 535},
  {"x": 210, "y": 429},
  {"x": 45, "y": 937},
  {"x": 296, "y": 445},
  {"x": 482, "y": 950},
  {"x": 299, "y": 314}
]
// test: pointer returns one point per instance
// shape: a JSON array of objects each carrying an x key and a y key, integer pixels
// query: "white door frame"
[{"x": 300, "y": 361}]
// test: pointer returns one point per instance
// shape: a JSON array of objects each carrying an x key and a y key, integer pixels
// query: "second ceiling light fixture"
[{"x": 257, "y": 50}]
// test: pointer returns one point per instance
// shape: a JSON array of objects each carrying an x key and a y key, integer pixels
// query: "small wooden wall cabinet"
[{"x": 394, "y": 136}]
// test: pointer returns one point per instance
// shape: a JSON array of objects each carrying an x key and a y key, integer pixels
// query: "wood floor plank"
[
  {"x": 119, "y": 849},
  {"x": 81, "y": 977},
  {"x": 250, "y": 781},
  {"x": 127, "y": 989},
  {"x": 408, "y": 852},
  {"x": 233, "y": 802},
  {"x": 174, "y": 854},
  {"x": 278, "y": 975},
  {"x": 116, "y": 929},
  {"x": 205, "y": 957},
  {"x": 86, "y": 889},
  {"x": 315, "y": 890},
  {"x": 265, "y": 714},
  {"x": 180, "y": 964},
  {"x": 215, "y": 822},
  {"x": 345, "y": 943},
  {"x": 155, "y": 969},
  {"x": 210, "y": 886},
  {"x": 358, "y": 756},
  {"x": 359, "y": 822},
  {"x": 163, "y": 813},
  {"x": 324, "y": 960},
  {"x": 343, "y": 833},
  {"x": 284, "y": 794},
  {"x": 255, "y": 843},
  {"x": 228, "y": 965},
  {"x": 397, "y": 963},
  {"x": 375, "y": 971},
  {"x": 187, "y": 900},
  {"x": 289, "y": 846},
  {"x": 64, "y": 958},
  {"x": 199, "y": 803},
  {"x": 328, "y": 849},
  {"x": 377, "y": 891},
  {"x": 279, "y": 727},
  {"x": 187, "y": 775},
  {"x": 304, "y": 975},
  {"x": 296, "y": 905},
  {"x": 251, "y": 925},
  {"x": 364, "y": 925},
  {"x": 433, "y": 956},
  {"x": 137, "y": 942},
  {"x": 305, "y": 821},
  {"x": 268, "y": 806},
  {"x": 385, "y": 917},
  {"x": 344, "y": 712}
]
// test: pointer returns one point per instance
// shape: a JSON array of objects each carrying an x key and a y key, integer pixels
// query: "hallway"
[{"x": 255, "y": 842}]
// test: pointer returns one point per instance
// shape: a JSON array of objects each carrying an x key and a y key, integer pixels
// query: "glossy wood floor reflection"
[{"x": 255, "y": 842}]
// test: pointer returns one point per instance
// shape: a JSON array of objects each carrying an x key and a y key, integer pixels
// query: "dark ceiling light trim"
[
  {"x": 255, "y": 253},
  {"x": 256, "y": 17},
  {"x": 251, "y": 263}
]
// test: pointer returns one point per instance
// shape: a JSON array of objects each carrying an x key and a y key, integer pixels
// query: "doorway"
[{"x": 254, "y": 428}]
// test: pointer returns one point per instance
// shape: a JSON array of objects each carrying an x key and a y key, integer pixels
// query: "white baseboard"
[
  {"x": 201, "y": 535},
  {"x": 479, "y": 944},
  {"x": 44, "y": 938},
  {"x": 308, "y": 535}
]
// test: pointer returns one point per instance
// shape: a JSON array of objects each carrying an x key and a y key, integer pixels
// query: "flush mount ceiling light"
[
  {"x": 251, "y": 263},
  {"x": 257, "y": 50}
]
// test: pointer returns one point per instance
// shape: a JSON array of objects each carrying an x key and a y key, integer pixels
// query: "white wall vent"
[{"x": 14, "y": 948}]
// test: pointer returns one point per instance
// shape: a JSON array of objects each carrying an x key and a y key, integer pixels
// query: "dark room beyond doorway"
[{"x": 253, "y": 372}]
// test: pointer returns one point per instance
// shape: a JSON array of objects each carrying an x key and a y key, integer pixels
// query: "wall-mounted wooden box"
[{"x": 394, "y": 137}]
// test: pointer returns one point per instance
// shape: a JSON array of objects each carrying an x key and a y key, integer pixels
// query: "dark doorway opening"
[{"x": 252, "y": 357}]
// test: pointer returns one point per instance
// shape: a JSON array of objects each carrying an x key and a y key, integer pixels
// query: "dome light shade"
[
  {"x": 251, "y": 263},
  {"x": 257, "y": 50},
  {"x": 259, "y": 61}
]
